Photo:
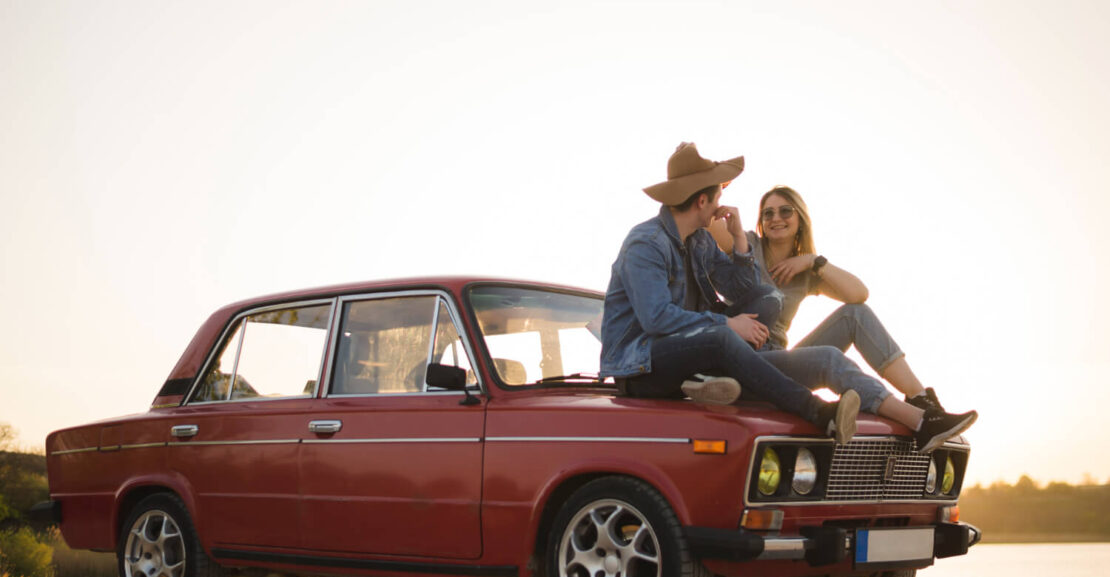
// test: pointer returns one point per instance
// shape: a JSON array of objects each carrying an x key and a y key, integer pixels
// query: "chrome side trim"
[
  {"x": 73, "y": 451},
  {"x": 143, "y": 446},
  {"x": 257, "y": 442},
  {"x": 397, "y": 440},
  {"x": 591, "y": 439}
]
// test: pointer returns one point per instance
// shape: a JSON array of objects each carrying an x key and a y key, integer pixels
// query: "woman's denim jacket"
[{"x": 647, "y": 291}]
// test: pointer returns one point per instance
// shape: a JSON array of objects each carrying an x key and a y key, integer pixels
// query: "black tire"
[
  {"x": 159, "y": 540},
  {"x": 644, "y": 538}
]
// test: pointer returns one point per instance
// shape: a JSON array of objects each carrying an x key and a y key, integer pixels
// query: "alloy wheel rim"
[
  {"x": 609, "y": 538},
  {"x": 155, "y": 547}
]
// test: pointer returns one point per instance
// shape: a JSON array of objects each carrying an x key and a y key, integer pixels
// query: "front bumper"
[{"x": 817, "y": 545}]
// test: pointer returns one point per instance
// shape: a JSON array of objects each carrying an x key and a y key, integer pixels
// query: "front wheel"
[
  {"x": 618, "y": 526},
  {"x": 158, "y": 540}
]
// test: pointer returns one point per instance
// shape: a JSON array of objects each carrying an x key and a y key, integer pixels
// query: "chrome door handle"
[
  {"x": 184, "y": 430},
  {"x": 324, "y": 427}
]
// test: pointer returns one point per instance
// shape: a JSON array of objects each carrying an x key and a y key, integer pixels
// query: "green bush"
[{"x": 22, "y": 555}]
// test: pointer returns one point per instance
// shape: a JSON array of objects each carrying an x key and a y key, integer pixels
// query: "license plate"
[{"x": 896, "y": 546}]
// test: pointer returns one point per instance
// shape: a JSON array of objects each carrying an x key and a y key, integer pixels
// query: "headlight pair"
[
  {"x": 803, "y": 476},
  {"x": 947, "y": 482}
]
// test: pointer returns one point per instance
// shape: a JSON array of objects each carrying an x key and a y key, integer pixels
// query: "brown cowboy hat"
[{"x": 688, "y": 172}]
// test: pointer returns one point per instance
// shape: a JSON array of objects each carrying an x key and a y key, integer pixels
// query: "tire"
[
  {"x": 159, "y": 540},
  {"x": 618, "y": 526}
]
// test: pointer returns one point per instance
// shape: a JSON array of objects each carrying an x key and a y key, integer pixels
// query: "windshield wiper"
[{"x": 586, "y": 377}]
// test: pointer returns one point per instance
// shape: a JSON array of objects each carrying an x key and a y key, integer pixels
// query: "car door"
[
  {"x": 390, "y": 466},
  {"x": 236, "y": 441}
]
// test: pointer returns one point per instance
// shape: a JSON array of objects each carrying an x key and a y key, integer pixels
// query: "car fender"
[
  {"x": 170, "y": 480},
  {"x": 598, "y": 467}
]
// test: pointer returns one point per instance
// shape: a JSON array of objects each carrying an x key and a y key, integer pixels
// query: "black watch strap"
[{"x": 819, "y": 262}]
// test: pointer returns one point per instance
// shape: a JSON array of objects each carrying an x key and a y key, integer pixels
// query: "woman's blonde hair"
[{"x": 803, "y": 241}]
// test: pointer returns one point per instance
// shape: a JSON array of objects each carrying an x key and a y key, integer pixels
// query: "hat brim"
[{"x": 676, "y": 190}]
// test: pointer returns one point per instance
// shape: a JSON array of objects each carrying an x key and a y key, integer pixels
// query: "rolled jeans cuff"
[{"x": 898, "y": 354}]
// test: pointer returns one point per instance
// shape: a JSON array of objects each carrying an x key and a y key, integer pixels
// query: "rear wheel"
[
  {"x": 619, "y": 526},
  {"x": 158, "y": 540}
]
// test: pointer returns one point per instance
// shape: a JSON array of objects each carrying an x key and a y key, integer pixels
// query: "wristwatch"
[{"x": 819, "y": 262}]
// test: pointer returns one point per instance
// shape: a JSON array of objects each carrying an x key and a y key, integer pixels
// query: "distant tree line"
[{"x": 1026, "y": 512}]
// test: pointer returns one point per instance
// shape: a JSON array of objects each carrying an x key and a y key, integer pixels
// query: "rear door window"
[{"x": 271, "y": 354}]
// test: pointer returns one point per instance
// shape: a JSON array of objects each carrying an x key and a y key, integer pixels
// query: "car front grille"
[{"x": 877, "y": 469}]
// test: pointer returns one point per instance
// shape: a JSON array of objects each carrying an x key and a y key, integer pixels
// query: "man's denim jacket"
[{"x": 647, "y": 291}]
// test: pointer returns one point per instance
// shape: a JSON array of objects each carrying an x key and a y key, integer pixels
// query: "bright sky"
[{"x": 161, "y": 159}]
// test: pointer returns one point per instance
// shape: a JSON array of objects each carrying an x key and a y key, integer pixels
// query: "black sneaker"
[
  {"x": 938, "y": 426},
  {"x": 838, "y": 420},
  {"x": 926, "y": 401},
  {"x": 712, "y": 390}
]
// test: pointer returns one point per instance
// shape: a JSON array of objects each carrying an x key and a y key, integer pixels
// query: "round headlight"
[
  {"x": 949, "y": 476},
  {"x": 805, "y": 472},
  {"x": 931, "y": 478},
  {"x": 769, "y": 472}
]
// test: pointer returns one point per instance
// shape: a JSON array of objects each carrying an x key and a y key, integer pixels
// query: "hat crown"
[{"x": 686, "y": 160}]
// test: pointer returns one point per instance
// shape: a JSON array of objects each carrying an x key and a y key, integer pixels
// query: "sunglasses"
[{"x": 785, "y": 212}]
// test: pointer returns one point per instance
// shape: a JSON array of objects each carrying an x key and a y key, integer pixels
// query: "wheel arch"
[
  {"x": 559, "y": 490},
  {"x": 135, "y": 490}
]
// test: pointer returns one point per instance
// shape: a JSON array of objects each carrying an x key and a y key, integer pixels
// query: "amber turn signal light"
[
  {"x": 762, "y": 519},
  {"x": 709, "y": 447}
]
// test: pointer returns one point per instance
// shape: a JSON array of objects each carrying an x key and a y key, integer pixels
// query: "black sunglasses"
[{"x": 785, "y": 212}]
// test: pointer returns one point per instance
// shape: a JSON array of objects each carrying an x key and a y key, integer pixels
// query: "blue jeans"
[
  {"x": 718, "y": 350},
  {"x": 784, "y": 378},
  {"x": 765, "y": 301},
  {"x": 856, "y": 325}
]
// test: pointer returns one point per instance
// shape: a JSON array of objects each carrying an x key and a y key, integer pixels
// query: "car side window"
[
  {"x": 449, "y": 348},
  {"x": 271, "y": 354},
  {"x": 385, "y": 345}
]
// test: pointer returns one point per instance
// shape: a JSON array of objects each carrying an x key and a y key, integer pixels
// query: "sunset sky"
[{"x": 161, "y": 159}]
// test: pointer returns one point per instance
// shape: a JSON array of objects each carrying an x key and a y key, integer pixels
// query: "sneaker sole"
[
  {"x": 719, "y": 391},
  {"x": 847, "y": 406},
  {"x": 939, "y": 438}
]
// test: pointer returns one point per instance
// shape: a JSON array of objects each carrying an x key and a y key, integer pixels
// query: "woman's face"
[{"x": 779, "y": 223}]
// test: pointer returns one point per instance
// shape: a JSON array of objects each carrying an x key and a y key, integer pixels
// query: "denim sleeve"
[
  {"x": 733, "y": 276},
  {"x": 645, "y": 278}
]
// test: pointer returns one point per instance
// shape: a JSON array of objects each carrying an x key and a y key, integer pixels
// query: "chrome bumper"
[{"x": 817, "y": 545}]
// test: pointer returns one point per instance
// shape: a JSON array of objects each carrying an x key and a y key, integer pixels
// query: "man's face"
[{"x": 706, "y": 213}]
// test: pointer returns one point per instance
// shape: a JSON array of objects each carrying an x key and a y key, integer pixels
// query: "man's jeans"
[
  {"x": 856, "y": 325},
  {"x": 781, "y": 377}
]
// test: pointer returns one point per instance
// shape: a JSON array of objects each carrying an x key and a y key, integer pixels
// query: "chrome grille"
[{"x": 859, "y": 471}]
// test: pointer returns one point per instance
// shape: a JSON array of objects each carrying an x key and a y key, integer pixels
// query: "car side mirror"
[
  {"x": 450, "y": 378},
  {"x": 446, "y": 377}
]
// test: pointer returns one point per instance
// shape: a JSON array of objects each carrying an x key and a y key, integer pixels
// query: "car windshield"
[{"x": 539, "y": 336}]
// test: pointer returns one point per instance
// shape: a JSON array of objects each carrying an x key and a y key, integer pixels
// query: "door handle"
[
  {"x": 184, "y": 430},
  {"x": 325, "y": 427}
]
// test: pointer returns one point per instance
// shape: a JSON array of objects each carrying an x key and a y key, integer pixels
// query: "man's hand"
[
  {"x": 749, "y": 329},
  {"x": 731, "y": 216},
  {"x": 784, "y": 271}
]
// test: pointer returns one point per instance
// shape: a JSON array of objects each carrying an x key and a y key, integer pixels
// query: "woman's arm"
[
  {"x": 841, "y": 285},
  {"x": 833, "y": 281}
]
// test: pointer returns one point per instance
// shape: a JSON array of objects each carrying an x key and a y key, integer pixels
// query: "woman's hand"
[
  {"x": 784, "y": 271},
  {"x": 749, "y": 329}
]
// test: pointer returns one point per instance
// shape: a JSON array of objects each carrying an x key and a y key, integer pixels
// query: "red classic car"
[{"x": 456, "y": 426}]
